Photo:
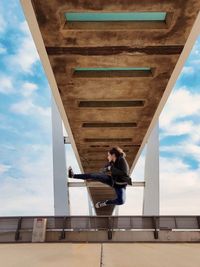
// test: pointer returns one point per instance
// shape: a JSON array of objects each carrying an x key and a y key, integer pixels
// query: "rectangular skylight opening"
[
  {"x": 115, "y": 20},
  {"x": 114, "y": 16},
  {"x": 113, "y": 72},
  {"x": 109, "y": 124},
  {"x": 108, "y": 139},
  {"x": 111, "y": 104}
]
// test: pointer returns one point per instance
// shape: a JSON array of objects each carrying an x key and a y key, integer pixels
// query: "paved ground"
[{"x": 97, "y": 255}]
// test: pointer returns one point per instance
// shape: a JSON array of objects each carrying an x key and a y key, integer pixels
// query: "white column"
[
  {"x": 61, "y": 194},
  {"x": 89, "y": 204},
  {"x": 116, "y": 210},
  {"x": 151, "y": 174}
]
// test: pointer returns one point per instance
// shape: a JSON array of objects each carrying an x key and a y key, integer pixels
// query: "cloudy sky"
[{"x": 26, "y": 181}]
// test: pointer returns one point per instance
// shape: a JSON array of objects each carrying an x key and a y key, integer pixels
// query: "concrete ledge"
[{"x": 98, "y": 255}]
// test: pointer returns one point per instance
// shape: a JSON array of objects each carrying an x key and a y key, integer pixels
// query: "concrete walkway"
[{"x": 97, "y": 255}]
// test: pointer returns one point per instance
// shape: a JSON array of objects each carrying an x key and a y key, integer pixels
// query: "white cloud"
[
  {"x": 23, "y": 26},
  {"x": 187, "y": 70},
  {"x": 191, "y": 150},
  {"x": 26, "y": 55},
  {"x": 179, "y": 187},
  {"x": 78, "y": 201},
  {"x": 2, "y": 24},
  {"x": 6, "y": 85},
  {"x": 3, "y": 50},
  {"x": 28, "y": 88},
  {"x": 194, "y": 134},
  {"x": 138, "y": 171},
  {"x": 27, "y": 107},
  {"x": 177, "y": 128},
  {"x": 196, "y": 62},
  {"x": 24, "y": 107},
  {"x": 195, "y": 55},
  {"x": 40, "y": 116},
  {"x": 179, "y": 183},
  {"x": 4, "y": 168},
  {"x": 181, "y": 103},
  {"x": 196, "y": 48},
  {"x": 32, "y": 192},
  {"x": 184, "y": 149},
  {"x": 134, "y": 202}
]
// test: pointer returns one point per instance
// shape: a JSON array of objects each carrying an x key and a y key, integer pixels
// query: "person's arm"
[{"x": 107, "y": 167}]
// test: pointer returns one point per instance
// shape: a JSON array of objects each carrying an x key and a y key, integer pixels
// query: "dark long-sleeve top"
[{"x": 120, "y": 171}]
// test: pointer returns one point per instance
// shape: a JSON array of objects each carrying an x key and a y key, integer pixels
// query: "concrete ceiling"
[{"x": 111, "y": 108}]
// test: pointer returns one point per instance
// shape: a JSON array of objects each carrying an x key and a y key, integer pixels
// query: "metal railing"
[{"x": 13, "y": 228}]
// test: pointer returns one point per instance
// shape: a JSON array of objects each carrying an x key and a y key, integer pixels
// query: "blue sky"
[{"x": 26, "y": 185}]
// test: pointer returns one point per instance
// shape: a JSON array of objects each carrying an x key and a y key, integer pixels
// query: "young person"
[{"x": 114, "y": 174}]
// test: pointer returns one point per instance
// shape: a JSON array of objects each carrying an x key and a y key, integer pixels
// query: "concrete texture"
[
  {"x": 151, "y": 255},
  {"x": 99, "y": 255},
  {"x": 78, "y": 45},
  {"x": 51, "y": 255}
]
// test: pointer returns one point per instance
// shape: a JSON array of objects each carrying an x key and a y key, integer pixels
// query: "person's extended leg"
[
  {"x": 101, "y": 177},
  {"x": 121, "y": 197}
]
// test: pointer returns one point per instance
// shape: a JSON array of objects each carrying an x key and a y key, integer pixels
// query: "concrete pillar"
[
  {"x": 116, "y": 210},
  {"x": 89, "y": 204},
  {"x": 151, "y": 173},
  {"x": 61, "y": 193}
]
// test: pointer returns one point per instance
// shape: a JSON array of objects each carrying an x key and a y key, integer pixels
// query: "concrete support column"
[
  {"x": 116, "y": 210},
  {"x": 90, "y": 204},
  {"x": 61, "y": 193},
  {"x": 151, "y": 190}
]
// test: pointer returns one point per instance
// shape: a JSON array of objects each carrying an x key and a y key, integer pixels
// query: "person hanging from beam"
[{"x": 115, "y": 174}]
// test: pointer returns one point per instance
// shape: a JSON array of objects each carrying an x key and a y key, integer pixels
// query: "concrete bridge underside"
[{"x": 110, "y": 79}]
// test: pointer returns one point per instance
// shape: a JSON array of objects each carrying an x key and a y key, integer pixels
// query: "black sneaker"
[
  {"x": 100, "y": 204},
  {"x": 70, "y": 172}
]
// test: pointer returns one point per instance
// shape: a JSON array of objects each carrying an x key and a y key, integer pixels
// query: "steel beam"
[{"x": 98, "y": 184}]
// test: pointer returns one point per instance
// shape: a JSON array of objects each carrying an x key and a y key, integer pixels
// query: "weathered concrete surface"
[
  {"x": 151, "y": 255},
  {"x": 95, "y": 255},
  {"x": 51, "y": 255},
  {"x": 121, "y": 44}
]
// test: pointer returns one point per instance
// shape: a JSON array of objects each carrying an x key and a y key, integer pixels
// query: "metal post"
[
  {"x": 61, "y": 194},
  {"x": 151, "y": 189}
]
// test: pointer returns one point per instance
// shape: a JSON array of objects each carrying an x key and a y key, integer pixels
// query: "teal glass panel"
[{"x": 116, "y": 16}]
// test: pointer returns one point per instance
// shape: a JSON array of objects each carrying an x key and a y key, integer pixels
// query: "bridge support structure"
[
  {"x": 60, "y": 185},
  {"x": 151, "y": 199}
]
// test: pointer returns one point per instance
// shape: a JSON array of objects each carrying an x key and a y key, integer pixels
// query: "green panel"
[{"x": 115, "y": 16}]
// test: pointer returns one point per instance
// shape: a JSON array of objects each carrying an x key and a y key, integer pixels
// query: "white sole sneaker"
[{"x": 100, "y": 204}]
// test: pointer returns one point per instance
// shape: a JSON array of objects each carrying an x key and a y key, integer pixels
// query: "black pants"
[{"x": 106, "y": 179}]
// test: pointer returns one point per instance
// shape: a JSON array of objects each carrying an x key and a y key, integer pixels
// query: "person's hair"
[{"x": 117, "y": 151}]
